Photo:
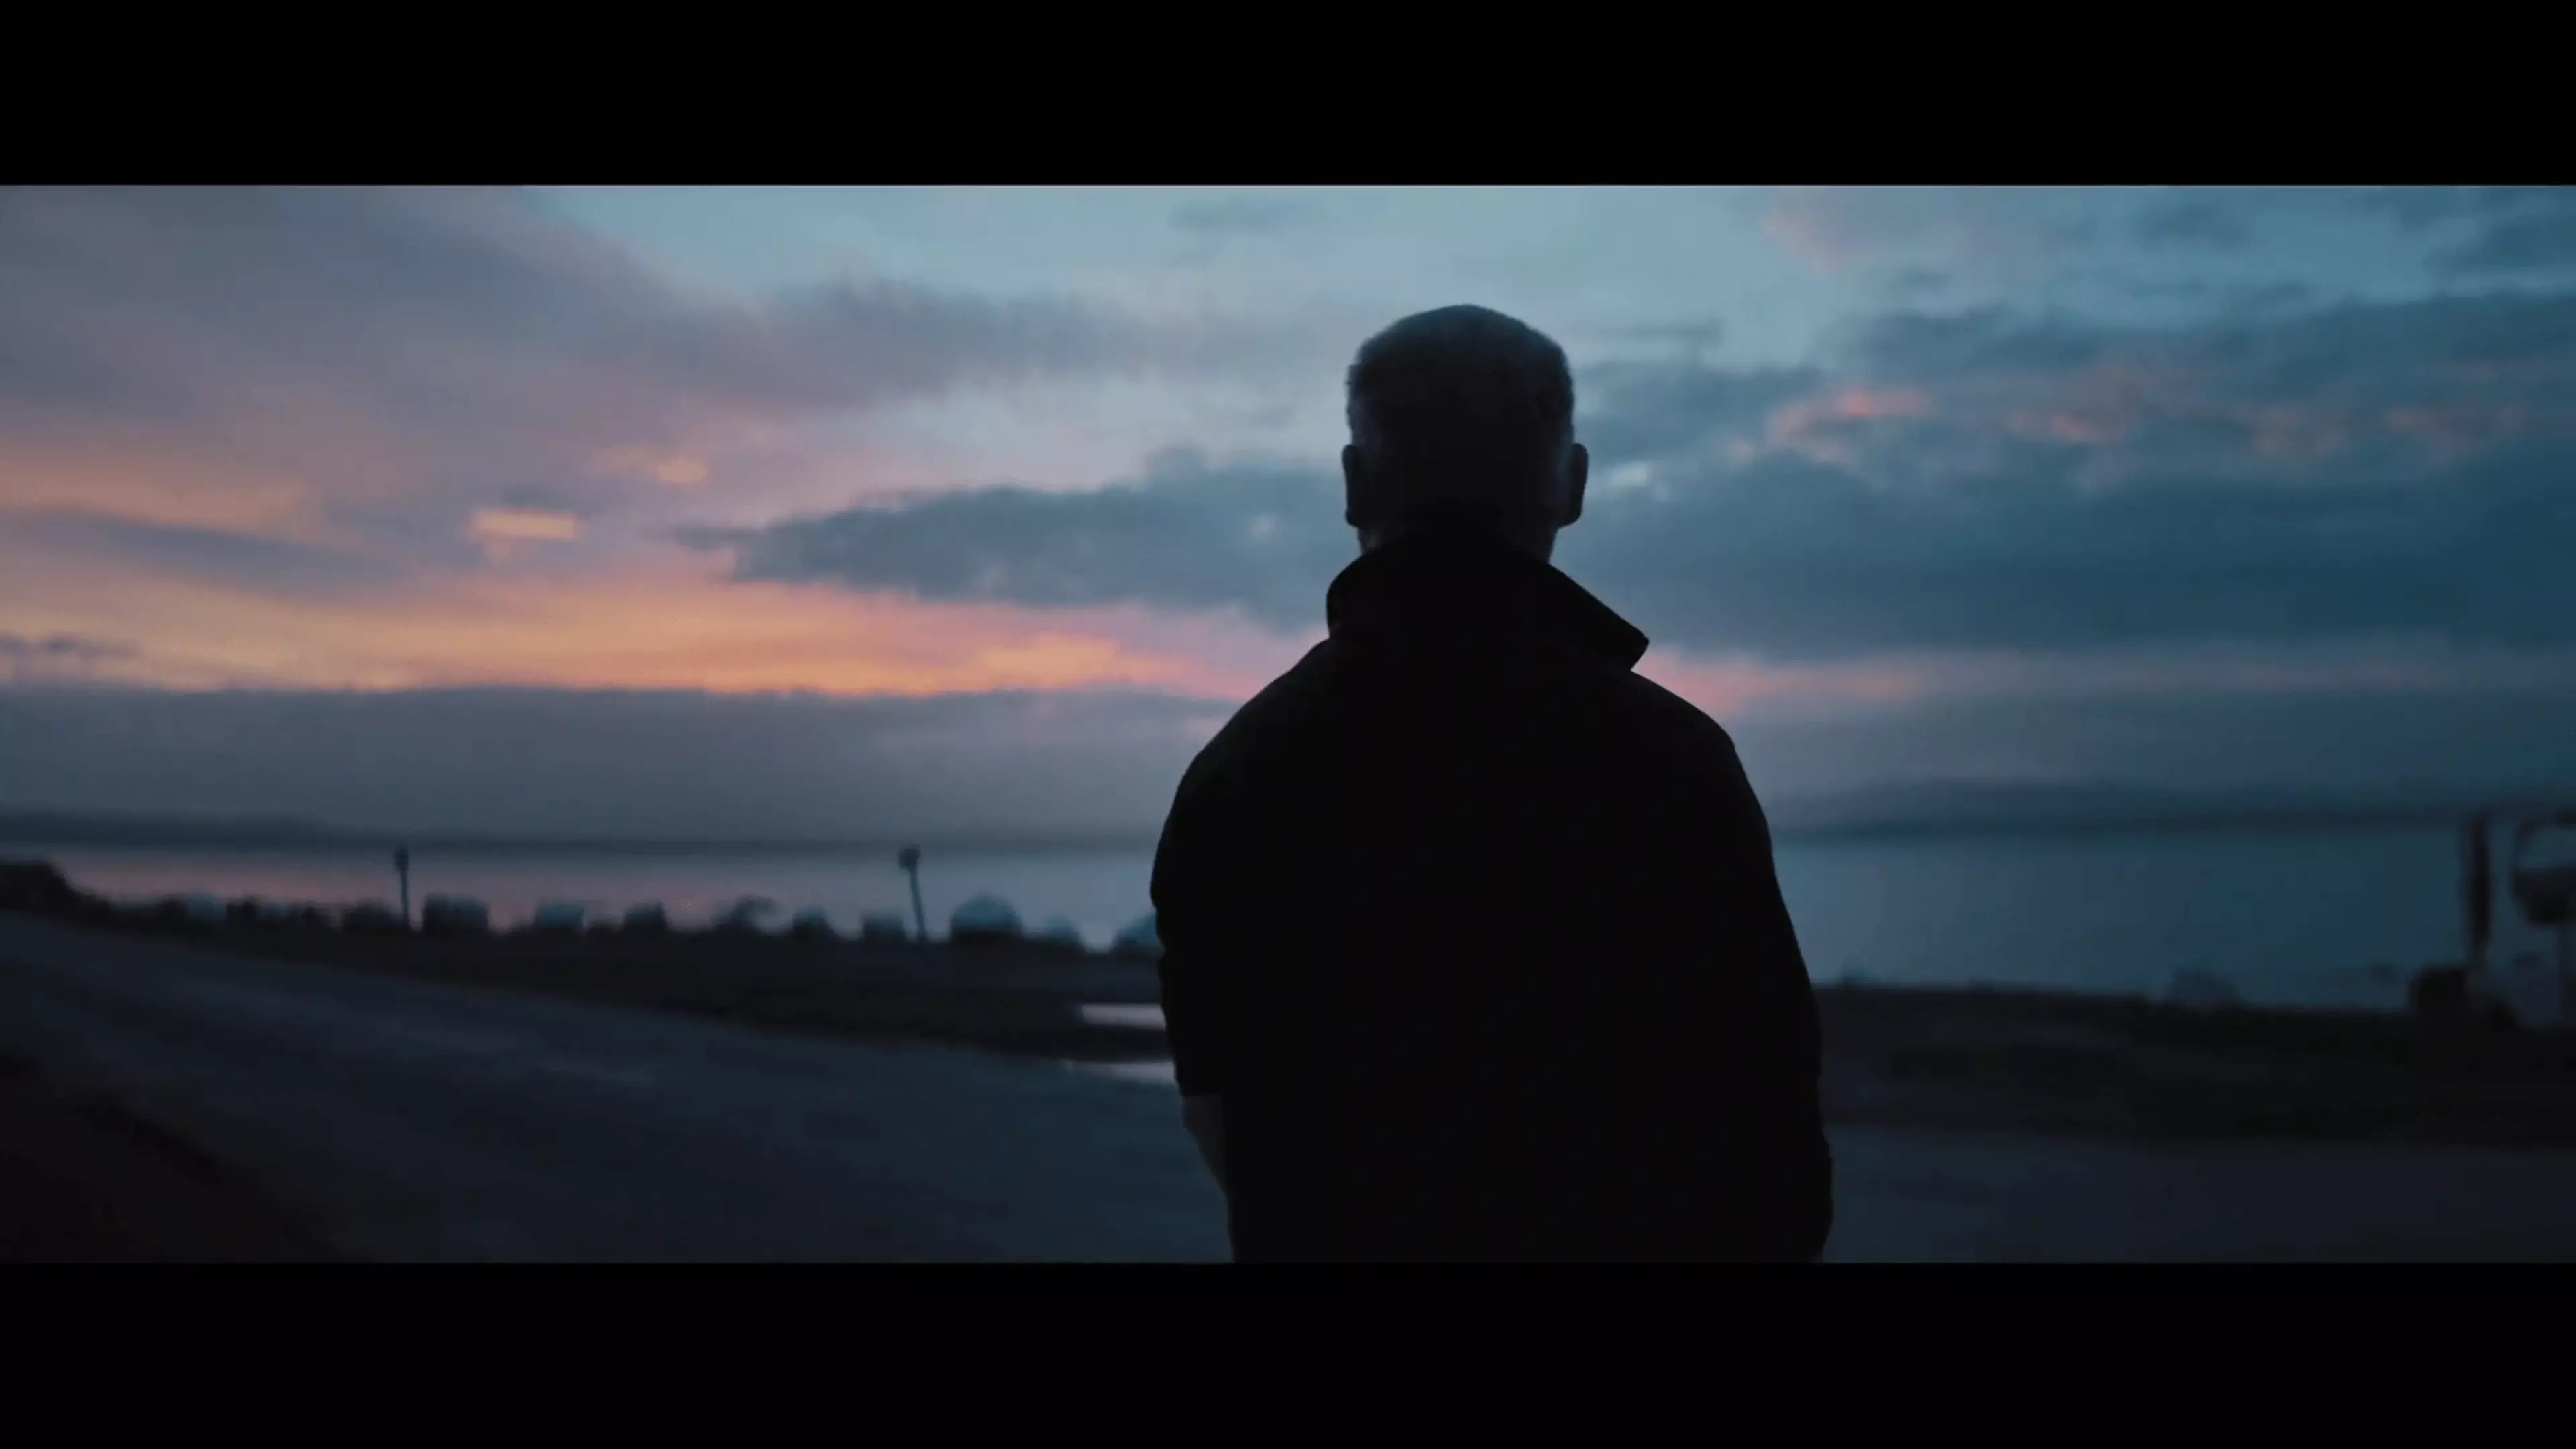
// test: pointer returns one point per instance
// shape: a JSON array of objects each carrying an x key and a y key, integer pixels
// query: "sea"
[{"x": 2284, "y": 916}]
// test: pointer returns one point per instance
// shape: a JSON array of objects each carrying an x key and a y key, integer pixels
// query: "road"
[{"x": 414, "y": 1121}]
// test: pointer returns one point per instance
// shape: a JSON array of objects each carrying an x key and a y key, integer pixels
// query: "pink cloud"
[
  {"x": 1820, "y": 424},
  {"x": 1728, "y": 687}
]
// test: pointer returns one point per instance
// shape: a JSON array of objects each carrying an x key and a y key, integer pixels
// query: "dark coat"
[{"x": 1476, "y": 934}]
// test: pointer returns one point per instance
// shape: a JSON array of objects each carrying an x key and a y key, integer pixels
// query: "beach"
[{"x": 521, "y": 1098}]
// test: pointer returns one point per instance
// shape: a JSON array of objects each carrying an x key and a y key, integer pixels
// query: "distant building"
[
  {"x": 648, "y": 919},
  {"x": 984, "y": 918},
  {"x": 559, "y": 918},
  {"x": 885, "y": 926}
]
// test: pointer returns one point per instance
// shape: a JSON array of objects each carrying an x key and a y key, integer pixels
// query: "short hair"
[{"x": 1470, "y": 410}]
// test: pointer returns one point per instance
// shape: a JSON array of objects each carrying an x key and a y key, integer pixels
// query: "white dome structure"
[
  {"x": 984, "y": 918},
  {"x": 745, "y": 914},
  {"x": 811, "y": 924},
  {"x": 1140, "y": 938},
  {"x": 1060, "y": 932}
]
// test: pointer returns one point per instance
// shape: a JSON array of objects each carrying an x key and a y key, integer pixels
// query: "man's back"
[{"x": 1475, "y": 934}]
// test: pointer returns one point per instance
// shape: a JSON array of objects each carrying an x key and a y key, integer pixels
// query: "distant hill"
[
  {"x": 68, "y": 828},
  {"x": 1940, "y": 807},
  {"x": 1925, "y": 808}
]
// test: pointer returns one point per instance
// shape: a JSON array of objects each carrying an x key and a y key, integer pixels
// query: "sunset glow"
[{"x": 1863, "y": 458}]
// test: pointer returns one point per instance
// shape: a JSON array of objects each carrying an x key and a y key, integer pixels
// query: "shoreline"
[
  {"x": 1957, "y": 1059},
  {"x": 1975, "y": 1059}
]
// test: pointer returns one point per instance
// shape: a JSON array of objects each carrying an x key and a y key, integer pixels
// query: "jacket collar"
[{"x": 1463, "y": 581}]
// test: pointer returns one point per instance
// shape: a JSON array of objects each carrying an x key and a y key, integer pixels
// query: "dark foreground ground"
[
  {"x": 84, "y": 1179},
  {"x": 210, "y": 1098},
  {"x": 1963, "y": 1060}
]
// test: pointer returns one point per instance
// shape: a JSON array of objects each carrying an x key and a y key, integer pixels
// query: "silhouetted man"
[{"x": 1472, "y": 942}]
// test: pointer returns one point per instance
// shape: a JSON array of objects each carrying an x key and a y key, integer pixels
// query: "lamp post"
[
  {"x": 910, "y": 859},
  {"x": 402, "y": 873}
]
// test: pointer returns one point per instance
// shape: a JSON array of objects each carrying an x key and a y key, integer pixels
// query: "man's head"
[{"x": 1462, "y": 416}]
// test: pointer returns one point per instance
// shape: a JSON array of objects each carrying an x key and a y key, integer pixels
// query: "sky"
[{"x": 831, "y": 512}]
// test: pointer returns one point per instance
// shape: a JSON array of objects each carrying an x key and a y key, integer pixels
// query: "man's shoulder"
[
  {"x": 1638, "y": 716},
  {"x": 1686, "y": 724},
  {"x": 1264, "y": 725}
]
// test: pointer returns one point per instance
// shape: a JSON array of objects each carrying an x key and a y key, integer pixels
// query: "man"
[{"x": 1472, "y": 942}]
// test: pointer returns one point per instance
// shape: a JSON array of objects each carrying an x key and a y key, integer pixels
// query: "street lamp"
[{"x": 910, "y": 859}]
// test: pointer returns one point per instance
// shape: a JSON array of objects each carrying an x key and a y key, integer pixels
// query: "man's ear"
[
  {"x": 1355, "y": 487},
  {"x": 1578, "y": 471}
]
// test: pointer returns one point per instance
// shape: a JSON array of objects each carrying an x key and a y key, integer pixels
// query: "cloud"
[
  {"x": 659, "y": 618},
  {"x": 2498, "y": 229},
  {"x": 2360, "y": 471},
  {"x": 2199, "y": 219},
  {"x": 1966, "y": 481},
  {"x": 132, "y": 554},
  {"x": 58, "y": 646},
  {"x": 522, "y": 525},
  {"x": 2545, "y": 241},
  {"x": 2425, "y": 206},
  {"x": 1188, "y": 536},
  {"x": 369, "y": 367},
  {"x": 28, "y": 658},
  {"x": 1651, "y": 411},
  {"x": 1242, "y": 216},
  {"x": 610, "y": 764},
  {"x": 1689, "y": 337},
  {"x": 1988, "y": 229}
]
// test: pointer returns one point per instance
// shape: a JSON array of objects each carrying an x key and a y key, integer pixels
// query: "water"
[{"x": 2293, "y": 918}]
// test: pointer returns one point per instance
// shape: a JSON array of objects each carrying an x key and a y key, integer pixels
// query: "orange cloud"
[
  {"x": 670, "y": 467},
  {"x": 663, "y": 622},
  {"x": 1725, "y": 687},
  {"x": 2073, "y": 426},
  {"x": 1809, "y": 424},
  {"x": 163, "y": 486},
  {"x": 493, "y": 525},
  {"x": 1855, "y": 404}
]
